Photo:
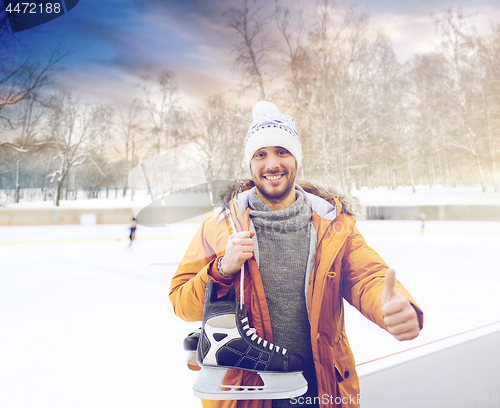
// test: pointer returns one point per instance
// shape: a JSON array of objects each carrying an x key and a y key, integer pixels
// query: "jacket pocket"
[
  {"x": 347, "y": 379},
  {"x": 342, "y": 360},
  {"x": 340, "y": 373}
]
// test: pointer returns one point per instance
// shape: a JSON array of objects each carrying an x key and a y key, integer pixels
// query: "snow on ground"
[{"x": 86, "y": 321}]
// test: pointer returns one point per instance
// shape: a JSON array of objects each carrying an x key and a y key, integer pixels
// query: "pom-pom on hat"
[{"x": 271, "y": 128}]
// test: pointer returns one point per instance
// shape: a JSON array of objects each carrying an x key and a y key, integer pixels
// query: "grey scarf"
[{"x": 283, "y": 239}]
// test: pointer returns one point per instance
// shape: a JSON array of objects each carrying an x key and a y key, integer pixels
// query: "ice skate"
[{"x": 227, "y": 341}]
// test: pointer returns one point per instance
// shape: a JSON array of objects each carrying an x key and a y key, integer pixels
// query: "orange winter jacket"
[{"x": 344, "y": 266}]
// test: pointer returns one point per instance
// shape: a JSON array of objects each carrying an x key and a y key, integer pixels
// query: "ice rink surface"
[{"x": 85, "y": 321}]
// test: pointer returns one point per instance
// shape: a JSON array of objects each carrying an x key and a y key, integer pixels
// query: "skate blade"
[{"x": 209, "y": 386}]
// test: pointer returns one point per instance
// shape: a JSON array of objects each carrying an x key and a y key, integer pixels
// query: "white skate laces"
[{"x": 250, "y": 331}]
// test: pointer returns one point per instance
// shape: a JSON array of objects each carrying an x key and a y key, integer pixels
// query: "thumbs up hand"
[{"x": 399, "y": 315}]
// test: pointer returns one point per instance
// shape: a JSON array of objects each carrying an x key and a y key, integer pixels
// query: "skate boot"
[{"x": 227, "y": 341}]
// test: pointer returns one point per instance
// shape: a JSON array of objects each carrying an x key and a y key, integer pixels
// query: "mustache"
[{"x": 267, "y": 172}]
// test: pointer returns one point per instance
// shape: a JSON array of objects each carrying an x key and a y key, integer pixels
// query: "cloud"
[
  {"x": 409, "y": 34},
  {"x": 414, "y": 33},
  {"x": 116, "y": 85},
  {"x": 98, "y": 86},
  {"x": 197, "y": 85}
]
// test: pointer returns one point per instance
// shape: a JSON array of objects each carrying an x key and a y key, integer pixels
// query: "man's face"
[{"x": 273, "y": 172}]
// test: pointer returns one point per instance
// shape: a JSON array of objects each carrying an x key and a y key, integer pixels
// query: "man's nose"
[{"x": 272, "y": 162}]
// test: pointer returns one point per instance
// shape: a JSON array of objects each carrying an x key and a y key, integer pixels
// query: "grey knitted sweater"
[{"x": 283, "y": 239}]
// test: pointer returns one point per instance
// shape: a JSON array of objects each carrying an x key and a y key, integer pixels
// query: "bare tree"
[
  {"x": 162, "y": 108},
  {"x": 76, "y": 130},
  {"x": 219, "y": 129},
  {"x": 28, "y": 121},
  {"x": 490, "y": 59},
  {"x": 463, "y": 85},
  {"x": 297, "y": 92},
  {"x": 128, "y": 132},
  {"x": 430, "y": 109},
  {"x": 352, "y": 65},
  {"x": 248, "y": 20},
  {"x": 22, "y": 75},
  {"x": 323, "y": 34}
]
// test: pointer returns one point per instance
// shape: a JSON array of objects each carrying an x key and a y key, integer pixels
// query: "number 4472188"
[{"x": 33, "y": 8}]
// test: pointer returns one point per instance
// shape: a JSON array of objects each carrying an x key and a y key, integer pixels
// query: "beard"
[{"x": 277, "y": 193}]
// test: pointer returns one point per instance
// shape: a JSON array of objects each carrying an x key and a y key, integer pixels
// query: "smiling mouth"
[{"x": 273, "y": 177}]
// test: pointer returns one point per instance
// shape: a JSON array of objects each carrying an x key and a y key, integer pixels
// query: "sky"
[{"x": 112, "y": 43}]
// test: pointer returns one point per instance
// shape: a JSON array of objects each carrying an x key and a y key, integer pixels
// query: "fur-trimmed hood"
[{"x": 225, "y": 190}]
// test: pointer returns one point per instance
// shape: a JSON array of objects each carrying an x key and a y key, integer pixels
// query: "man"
[
  {"x": 133, "y": 227},
  {"x": 304, "y": 255}
]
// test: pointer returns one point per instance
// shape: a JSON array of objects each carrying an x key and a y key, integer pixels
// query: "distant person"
[
  {"x": 133, "y": 227},
  {"x": 423, "y": 218}
]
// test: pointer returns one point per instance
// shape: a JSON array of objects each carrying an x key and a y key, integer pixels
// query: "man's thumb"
[{"x": 390, "y": 281}]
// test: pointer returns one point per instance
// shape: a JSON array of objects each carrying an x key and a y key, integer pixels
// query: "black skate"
[{"x": 227, "y": 341}]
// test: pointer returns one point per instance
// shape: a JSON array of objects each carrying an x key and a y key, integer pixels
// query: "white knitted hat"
[{"x": 271, "y": 128}]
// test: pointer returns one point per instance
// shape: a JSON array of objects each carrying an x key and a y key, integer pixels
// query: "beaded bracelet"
[{"x": 219, "y": 268}]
